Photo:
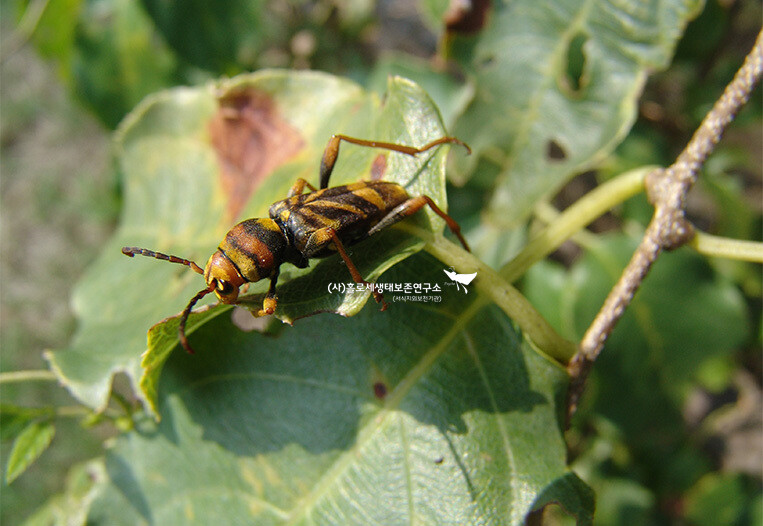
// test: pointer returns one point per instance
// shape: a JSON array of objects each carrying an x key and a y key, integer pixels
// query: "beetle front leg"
[{"x": 270, "y": 302}]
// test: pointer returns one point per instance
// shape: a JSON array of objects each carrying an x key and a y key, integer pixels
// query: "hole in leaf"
[
  {"x": 380, "y": 390},
  {"x": 574, "y": 74},
  {"x": 555, "y": 151},
  {"x": 466, "y": 16},
  {"x": 243, "y": 319},
  {"x": 552, "y": 513}
]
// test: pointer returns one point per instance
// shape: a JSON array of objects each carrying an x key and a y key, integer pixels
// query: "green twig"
[
  {"x": 27, "y": 376},
  {"x": 724, "y": 247},
  {"x": 72, "y": 411},
  {"x": 493, "y": 286},
  {"x": 576, "y": 217}
]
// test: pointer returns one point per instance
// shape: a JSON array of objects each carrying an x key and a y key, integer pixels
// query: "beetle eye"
[{"x": 224, "y": 287}]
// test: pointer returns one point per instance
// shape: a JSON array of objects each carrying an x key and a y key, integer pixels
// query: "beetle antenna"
[
  {"x": 184, "y": 318},
  {"x": 131, "y": 251}
]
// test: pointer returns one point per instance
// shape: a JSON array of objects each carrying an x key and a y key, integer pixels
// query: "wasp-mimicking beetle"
[{"x": 305, "y": 226}]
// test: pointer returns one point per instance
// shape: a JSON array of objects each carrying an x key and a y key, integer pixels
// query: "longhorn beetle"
[{"x": 305, "y": 226}]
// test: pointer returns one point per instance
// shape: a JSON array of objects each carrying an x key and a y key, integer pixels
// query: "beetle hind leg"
[
  {"x": 410, "y": 207},
  {"x": 331, "y": 152}
]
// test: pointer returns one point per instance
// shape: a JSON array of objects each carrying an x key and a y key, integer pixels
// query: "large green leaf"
[
  {"x": 556, "y": 86},
  {"x": 420, "y": 414},
  {"x": 336, "y": 420},
  {"x": 194, "y": 166}
]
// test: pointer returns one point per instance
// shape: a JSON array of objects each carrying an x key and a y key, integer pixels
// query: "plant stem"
[
  {"x": 724, "y": 247},
  {"x": 576, "y": 217},
  {"x": 72, "y": 411},
  {"x": 493, "y": 286},
  {"x": 27, "y": 376},
  {"x": 497, "y": 285}
]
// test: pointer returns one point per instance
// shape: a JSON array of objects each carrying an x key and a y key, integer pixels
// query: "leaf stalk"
[
  {"x": 723, "y": 247},
  {"x": 574, "y": 218},
  {"x": 27, "y": 376},
  {"x": 493, "y": 286}
]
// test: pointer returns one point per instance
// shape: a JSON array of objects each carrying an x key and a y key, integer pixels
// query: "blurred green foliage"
[{"x": 692, "y": 337}]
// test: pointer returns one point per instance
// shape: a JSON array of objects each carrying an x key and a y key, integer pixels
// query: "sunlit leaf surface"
[{"x": 433, "y": 413}]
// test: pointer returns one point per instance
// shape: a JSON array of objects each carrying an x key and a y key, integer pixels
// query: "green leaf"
[
  {"x": 621, "y": 497},
  {"x": 450, "y": 95},
  {"x": 215, "y": 36},
  {"x": 191, "y": 171},
  {"x": 537, "y": 111},
  {"x": 54, "y": 34},
  {"x": 721, "y": 499},
  {"x": 434, "y": 415},
  {"x": 117, "y": 59},
  {"x": 14, "y": 419},
  {"x": 432, "y": 12},
  {"x": 28, "y": 446}
]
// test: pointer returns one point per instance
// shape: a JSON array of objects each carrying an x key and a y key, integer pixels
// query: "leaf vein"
[{"x": 393, "y": 401}]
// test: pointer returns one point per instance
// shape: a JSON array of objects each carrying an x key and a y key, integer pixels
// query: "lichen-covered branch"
[{"x": 668, "y": 228}]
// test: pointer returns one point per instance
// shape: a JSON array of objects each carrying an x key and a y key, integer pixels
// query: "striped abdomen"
[{"x": 351, "y": 210}]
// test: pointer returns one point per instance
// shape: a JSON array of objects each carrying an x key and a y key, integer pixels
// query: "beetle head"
[{"x": 223, "y": 277}]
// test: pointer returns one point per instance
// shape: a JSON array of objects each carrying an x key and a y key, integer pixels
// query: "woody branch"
[{"x": 668, "y": 228}]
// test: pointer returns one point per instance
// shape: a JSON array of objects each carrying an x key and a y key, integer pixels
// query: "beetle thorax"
[{"x": 255, "y": 248}]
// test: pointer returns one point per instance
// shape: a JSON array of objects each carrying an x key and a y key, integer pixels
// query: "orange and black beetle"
[{"x": 305, "y": 226}]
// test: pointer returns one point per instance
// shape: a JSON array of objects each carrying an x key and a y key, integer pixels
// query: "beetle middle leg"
[
  {"x": 410, "y": 207},
  {"x": 327, "y": 235},
  {"x": 299, "y": 186},
  {"x": 331, "y": 152}
]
